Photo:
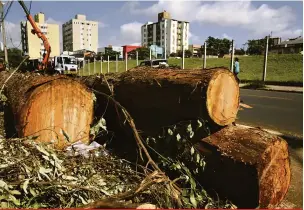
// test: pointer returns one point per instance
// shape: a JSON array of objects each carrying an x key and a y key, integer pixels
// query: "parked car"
[{"x": 157, "y": 63}]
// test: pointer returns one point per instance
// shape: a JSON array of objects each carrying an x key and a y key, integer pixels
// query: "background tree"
[
  {"x": 173, "y": 55},
  {"x": 217, "y": 46},
  {"x": 111, "y": 53},
  {"x": 143, "y": 53},
  {"x": 257, "y": 47},
  {"x": 239, "y": 51},
  {"x": 14, "y": 57},
  {"x": 188, "y": 53}
]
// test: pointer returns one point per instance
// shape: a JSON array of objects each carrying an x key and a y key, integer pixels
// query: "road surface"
[{"x": 280, "y": 111}]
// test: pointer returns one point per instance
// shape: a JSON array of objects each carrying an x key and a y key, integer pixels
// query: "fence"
[{"x": 207, "y": 61}]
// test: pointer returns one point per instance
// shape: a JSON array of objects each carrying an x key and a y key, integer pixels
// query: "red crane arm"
[{"x": 36, "y": 30}]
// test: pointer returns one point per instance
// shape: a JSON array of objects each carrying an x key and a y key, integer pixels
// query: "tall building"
[
  {"x": 32, "y": 45},
  {"x": 79, "y": 34},
  {"x": 167, "y": 33}
]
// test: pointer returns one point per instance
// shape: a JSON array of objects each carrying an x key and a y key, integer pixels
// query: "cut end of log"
[
  {"x": 223, "y": 98},
  {"x": 274, "y": 173},
  {"x": 256, "y": 162},
  {"x": 59, "y": 111}
]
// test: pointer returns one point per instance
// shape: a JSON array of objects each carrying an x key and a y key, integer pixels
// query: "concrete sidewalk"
[{"x": 278, "y": 88}]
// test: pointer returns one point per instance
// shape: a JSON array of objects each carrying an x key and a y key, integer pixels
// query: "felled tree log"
[
  {"x": 157, "y": 98},
  {"x": 249, "y": 166},
  {"x": 57, "y": 109}
]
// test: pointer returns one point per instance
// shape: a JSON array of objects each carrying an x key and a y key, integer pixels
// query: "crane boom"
[{"x": 36, "y": 30}]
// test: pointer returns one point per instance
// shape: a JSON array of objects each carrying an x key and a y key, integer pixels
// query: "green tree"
[
  {"x": 111, "y": 53},
  {"x": 173, "y": 55},
  {"x": 217, "y": 46},
  {"x": 143, "y": 53},
  {"x": 257, "y": 47},
  {"x": 14, "y": 57},
  {"x": 239, "y": 52},
  {"x": 188, "y": 53}
]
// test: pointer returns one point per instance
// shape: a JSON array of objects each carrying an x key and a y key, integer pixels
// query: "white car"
[{"x": 157, "y": 63}]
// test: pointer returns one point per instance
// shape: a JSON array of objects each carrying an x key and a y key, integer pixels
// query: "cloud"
[
  {"x": 194, "y": 39},
  {"x": 13, "y": 35},
  {"x": 52, "y": 21},
  {"x": 225, "y": 36},
  {"x": 130, "y": 33},
  {"x": 102, "y": 24},
  {"x": 288, "y": 33},
  {"x": 259, "y": 21}
]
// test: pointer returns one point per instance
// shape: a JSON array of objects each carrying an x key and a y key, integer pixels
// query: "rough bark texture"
[
  {"x": 57, "y": 109},
  {"x": 157, "y": 98},
  {"x": 249, "y": 166}
]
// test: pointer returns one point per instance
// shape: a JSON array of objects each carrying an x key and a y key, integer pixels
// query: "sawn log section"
[
  {"x": 157, "y": 98},
  {"x": 249, "y": 166},
  {"x": 57, "y": 109}
]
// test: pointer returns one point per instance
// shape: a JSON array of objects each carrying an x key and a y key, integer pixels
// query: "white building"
[
  {"x": 79, "y": 34},
  {"x": 167, "y": 33}
]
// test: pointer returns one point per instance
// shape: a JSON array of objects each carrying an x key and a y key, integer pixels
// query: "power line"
[{"x": 8, "y": 9}]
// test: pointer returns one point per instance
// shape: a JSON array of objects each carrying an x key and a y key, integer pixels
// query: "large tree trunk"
[
  {"x": 157, "y": 98},
  {"x": 57, "y": 109},
  {"x": 249, "y": 166}
]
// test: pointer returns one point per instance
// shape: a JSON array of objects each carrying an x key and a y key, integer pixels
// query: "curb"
[
  {"x": 267, "y": 130},
  {"x": 243, "y": 86}
]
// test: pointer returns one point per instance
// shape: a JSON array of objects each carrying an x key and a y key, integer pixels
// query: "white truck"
[{"x": 65, "y": 64}]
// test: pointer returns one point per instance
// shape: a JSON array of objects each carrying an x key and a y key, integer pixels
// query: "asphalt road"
[
  {"x": 282, "y": 112},
  {"x": 279, "y": 111}
]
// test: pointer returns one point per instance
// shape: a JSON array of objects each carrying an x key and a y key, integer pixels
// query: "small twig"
[{"x": 13, "y": 73}]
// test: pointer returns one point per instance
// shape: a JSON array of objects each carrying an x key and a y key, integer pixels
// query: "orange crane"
[{"x": 37, "y": 31}]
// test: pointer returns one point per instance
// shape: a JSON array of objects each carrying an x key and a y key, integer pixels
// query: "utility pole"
[
  {"x": 150, "y": 53},
  {"x": 126, "y": 61},
  {"x": 205, "y": 54},
  {"x": 116, "y": 64},
  {"x": 108, "y": 64},
  {"x": 183, "y": 57},
  {"x": 232, "y": 56},
  {"x": 3, "y": 32},
  {"x": 265, "y": 59},
  {"x": 136, "y": 58}
]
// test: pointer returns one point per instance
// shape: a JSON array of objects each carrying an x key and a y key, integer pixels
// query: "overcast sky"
[{"x": 120, "y": 22}]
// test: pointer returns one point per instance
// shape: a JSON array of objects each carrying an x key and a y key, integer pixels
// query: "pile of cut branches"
[{"x": 36, "y": 176}]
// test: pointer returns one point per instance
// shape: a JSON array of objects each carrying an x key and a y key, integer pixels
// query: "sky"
[{"x": 120, "y": 21}]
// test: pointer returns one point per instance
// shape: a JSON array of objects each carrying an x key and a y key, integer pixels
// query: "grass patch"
[{"x": 282, "y": 69}]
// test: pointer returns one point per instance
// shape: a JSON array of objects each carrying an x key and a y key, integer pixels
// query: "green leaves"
[
  {"x": 193, "y": 200},
  {"x": 25, "y": 185},
  {"x": 192, "y": 150},
  {"x": 99, "y": 127}
]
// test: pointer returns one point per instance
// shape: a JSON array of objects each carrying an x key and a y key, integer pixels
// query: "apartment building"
[
  {"x": 167, "y": 33},
  {"x": 80, "y": 34},
  {"x": 32, "y": 45}
]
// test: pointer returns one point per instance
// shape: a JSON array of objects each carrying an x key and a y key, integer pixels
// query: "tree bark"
[
  {"x": 57, "y": 109},
  {"x": 157, "y": 98},
  {"x": 249, "y": 166}
]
